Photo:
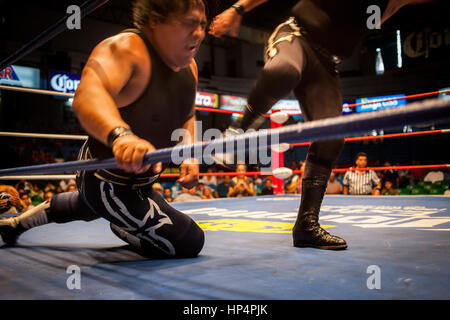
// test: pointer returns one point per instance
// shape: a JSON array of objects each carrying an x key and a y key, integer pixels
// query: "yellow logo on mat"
[{"x": 244, "y": 225}]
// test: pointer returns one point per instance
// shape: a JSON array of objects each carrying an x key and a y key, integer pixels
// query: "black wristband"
[
  {"x": 116, "y": 133},
  {"x": 239, "y": 8}
]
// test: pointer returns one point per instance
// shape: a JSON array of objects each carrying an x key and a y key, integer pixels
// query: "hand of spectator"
[
  {"x": 241, "y": 184},
  {"x": 129, "y": 153}
]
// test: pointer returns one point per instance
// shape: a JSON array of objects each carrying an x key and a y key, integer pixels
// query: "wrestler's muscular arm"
[
  {"x": 230, "y": 20},
  {"x": 115, "y": 75}
]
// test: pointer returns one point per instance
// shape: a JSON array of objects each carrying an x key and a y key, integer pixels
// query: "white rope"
[
  {"x": 43, "y": 135},
  {"x": 39, "y": 91},
  {"x": 40, "y": 177}
]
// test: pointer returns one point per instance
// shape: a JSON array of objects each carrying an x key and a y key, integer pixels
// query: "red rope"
[
  {"x": 412, "y": 96},
  {"x": 352, "y": 105},
  {"x": 392, "y": 135}
]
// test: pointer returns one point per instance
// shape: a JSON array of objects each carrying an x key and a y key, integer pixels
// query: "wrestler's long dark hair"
[{"x": 159, "y": 10}]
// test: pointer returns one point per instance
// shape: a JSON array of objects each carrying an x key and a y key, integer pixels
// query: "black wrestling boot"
[
  {"x": 307, "y": 231},
  {"x": 8, "y": 232},
  {"x": 12, "y": 228}
]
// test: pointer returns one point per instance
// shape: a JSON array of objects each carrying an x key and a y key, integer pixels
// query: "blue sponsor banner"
[
  {"x": 378, "y": 103},
  {"x": 63, "y": 81},
  {"x": 19, "y": 76}
]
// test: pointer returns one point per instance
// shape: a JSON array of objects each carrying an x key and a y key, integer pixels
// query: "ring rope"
[
  {"x": 339, "y": 127},
  {"x": 42, "y": 135}
]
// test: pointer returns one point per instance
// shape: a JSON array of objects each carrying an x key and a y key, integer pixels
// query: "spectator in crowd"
[
  {"x": 377, "y": 190},
  {"x": 224, "y": 187},
  {"x": 58, "y": 190},
  {"x": 268, "y": 188},
  {"x": 294, "y": 186},
  {"x": 294, "y": 165},
  {"x": 158, "y": 188},
  {"x": 49, "y": 187},
  {"x": 26, "y": 202},
  {"x": 64, "y": 184},
  {"x": 71, "y": 188},
  {"x": 242, "y": 186},
  {"x": 37, "y": 192},
  {"x": 419, "y": 173},
  {"x": 257, "y": 185},
  {"x": 48, "y": 195},
  {"x": 210, "y": 181},
  {"x": 59, "y": 157},
  {"x": 168, "y": 195},
  {"x": 339, "y": 177},
  {"x": 361, "y": 182},
  {"x": 389, "y": 175},
  {"x": 447, "y": 174},
  {"x": 334, "y": 187},
  {"x": 207, "y": 194},
  {"x": 434, "y": 175},
  {"x": 389, "y": 189},
  {"x": 188, "y": 195},
  {"x": 405, "y": 178},
  {"x": 25, "y": 185}
]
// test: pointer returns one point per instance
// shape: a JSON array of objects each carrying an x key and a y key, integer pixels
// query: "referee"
[{"x": 361, "y": 182}]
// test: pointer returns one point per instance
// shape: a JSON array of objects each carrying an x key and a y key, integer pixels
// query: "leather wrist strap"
[
  {"x": 239, "y": 8},
  {"x": 116, "y": 133}
]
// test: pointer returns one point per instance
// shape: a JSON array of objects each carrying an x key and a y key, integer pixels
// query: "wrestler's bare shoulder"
[{"x": 125, "y": 44}]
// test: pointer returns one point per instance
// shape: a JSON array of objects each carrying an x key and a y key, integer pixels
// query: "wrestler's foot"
[
  {"x": 319, "y": 238},
  {"x": 12, "y": 228},
  {"x": 10, "y": 231}
]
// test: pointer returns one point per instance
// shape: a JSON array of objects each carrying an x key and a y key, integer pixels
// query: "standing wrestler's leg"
[
  {"x": 281, "y": 74},
  {"x": 320, "y": 97},
  {"x": 284, "y": 63}
]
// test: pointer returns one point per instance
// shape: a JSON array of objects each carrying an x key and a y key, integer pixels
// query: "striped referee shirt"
[{"x": 359, "y": 184}]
